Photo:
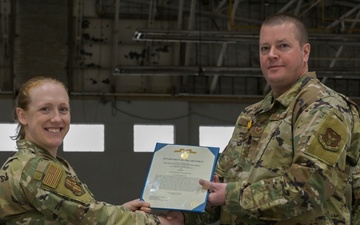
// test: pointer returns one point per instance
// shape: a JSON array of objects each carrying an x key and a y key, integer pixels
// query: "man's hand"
[
  {"x": 137, "y": 204},
  {"x": 216, "y": 191},
  {"x": 172, "y": 218}
]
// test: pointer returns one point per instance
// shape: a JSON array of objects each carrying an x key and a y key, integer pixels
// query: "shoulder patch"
[
  {"x": 74, "y": 186},
  {"x": 328, "y": 141},
  {"x": 52, "y": 176},
  {"x": 70, "y": 187}
]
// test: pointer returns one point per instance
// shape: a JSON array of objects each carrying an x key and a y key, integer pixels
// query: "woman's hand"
[{"x": 137, "y": 204}]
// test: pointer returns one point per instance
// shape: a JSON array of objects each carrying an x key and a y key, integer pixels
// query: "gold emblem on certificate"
[
  {"x": 174, "y": 174},
  {"x": 185, "y": 153}
]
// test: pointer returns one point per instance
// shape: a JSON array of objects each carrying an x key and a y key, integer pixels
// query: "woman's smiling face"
[{"x": 47, "y": 119}]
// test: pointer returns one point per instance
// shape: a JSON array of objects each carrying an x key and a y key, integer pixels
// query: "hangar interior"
[
  {"x": 186, "y": 62},
  {"x": 160, "y": 48}
]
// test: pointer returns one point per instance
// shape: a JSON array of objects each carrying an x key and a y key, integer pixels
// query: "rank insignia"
[
  {"x": 330, "y": 140},
  {"x": 249, "y": 124},
  {"x": 74, "y": 185}
]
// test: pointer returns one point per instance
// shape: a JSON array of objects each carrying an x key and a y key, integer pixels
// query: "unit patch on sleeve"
[
  {"x": 74, "y": 185},
  {"x": 328, "y": 141},
  {"x": 66, "y": 185}
]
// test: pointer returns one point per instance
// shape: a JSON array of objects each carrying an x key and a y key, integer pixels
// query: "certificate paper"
[{"x": 174, "y": 174}]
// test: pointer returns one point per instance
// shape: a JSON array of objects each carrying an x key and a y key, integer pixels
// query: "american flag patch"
[{"x": 52, "y": 176}]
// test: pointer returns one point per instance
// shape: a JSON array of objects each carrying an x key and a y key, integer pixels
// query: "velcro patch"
[
  {"x": 330, "y": 140},
  {"x": 52, "y": 176},
  {"x": 327, "y": 144},
  {"x": 69, "y": 187},
  {"x": 74, "y": 185}
]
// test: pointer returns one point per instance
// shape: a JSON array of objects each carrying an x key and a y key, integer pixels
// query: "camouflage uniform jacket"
[
  {"x": 290, "y": 159},
  {"x": 36, "y": 188}
]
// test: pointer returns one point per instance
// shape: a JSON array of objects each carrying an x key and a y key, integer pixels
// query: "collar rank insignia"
[
  {"x": 330, "y": 140},
  {"x": 74, "y": 185}
]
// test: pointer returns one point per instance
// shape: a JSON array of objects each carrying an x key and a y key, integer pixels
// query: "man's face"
[{"x": 282, "y": 59}]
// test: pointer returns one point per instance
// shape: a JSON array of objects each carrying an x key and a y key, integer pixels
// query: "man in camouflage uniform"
[
  {"x": 356, "y": 196},
  {"x": 291, "y": 155}
]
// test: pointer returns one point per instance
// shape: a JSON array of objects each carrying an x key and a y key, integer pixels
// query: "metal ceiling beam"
[
  {"x": 340, "y": 20},
  {"x": 189, "y": 46},
  {"x": 5, "y": 12},
  {"x": 298, "y": 7},
  {"x": 283, "y": 9},
  {"x": 341, "y": 48},
  {"x": 338, "y": 73},
  {"x": 177, "y": 46},
  {"x": 224, "y": 46},
  {"x": 183, "y": 71},
  {"x": 309, "y": 8},
  {"x": 116, "y": 33},
  {"x": 78, "y": 14}
]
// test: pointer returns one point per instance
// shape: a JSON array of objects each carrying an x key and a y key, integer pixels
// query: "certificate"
[{"x": 174, "y": 174}]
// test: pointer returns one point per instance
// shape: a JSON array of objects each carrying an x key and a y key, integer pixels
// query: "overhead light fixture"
[
  {"x": 234, "y": 37},
  {"x": 194, "y": 36}
]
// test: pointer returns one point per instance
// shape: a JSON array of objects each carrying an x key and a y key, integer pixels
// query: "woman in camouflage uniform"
[{"x": 39, "y": 187}]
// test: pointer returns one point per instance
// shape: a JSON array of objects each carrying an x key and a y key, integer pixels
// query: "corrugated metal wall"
[{"x": 41, "y": 39}]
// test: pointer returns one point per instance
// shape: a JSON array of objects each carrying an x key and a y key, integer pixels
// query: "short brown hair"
[{"x": 281, "y": 18}]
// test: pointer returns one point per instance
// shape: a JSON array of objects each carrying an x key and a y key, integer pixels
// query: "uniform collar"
[
  {"x": 32, "y": 147},
  {"x": 26, "y": 145},
  {"x": 286, "y": 98}
]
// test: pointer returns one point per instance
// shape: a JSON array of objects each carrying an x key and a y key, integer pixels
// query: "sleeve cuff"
[{"x": 232, "y": 197}]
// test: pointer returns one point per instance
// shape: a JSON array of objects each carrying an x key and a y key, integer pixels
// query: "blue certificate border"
[{"x": 214, "y": 150}]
